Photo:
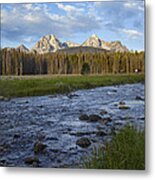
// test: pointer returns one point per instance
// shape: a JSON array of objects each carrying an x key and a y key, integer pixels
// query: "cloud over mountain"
[{"x": 26, "y": 23}]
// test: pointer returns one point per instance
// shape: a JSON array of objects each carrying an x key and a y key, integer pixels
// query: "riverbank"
[
  {"x": 126, "y": 151},
  {"x": 22, "y": 86}
]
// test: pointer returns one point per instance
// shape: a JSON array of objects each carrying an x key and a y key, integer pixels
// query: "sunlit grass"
[
  {"x": 126, "y": 151},
  {"x": 43, "y": 85}
]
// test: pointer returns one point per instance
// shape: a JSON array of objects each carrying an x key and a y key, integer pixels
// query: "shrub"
[{"x": 85, "y": 69}]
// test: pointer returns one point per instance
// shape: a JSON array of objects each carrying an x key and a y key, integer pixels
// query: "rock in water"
[
  {"x": 39, "y": 147},
  {"x": 94, "y": 118},
  {"x": 84, "y": 117},
  {"x": 121, "y": 103},
  {"x": 32, "y": 161},
  {"x": 139, "y": 98},
  {"x": 103, "y": 112},
  {"x": 2, "y": 98},
  {"x": 101, "y": 133},
  {"x": 124, "y": 107},
  {"x": 83, "y": 142}
]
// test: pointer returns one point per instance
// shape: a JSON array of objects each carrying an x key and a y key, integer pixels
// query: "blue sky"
[{"x": 110, "y": 20}]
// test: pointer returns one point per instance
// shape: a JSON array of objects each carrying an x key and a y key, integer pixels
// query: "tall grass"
[
  {"x": 126, "y": 151},
  {"x": 43, "y": 85}
]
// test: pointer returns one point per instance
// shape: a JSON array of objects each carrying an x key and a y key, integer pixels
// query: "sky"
[{"x": 110, "y": 20}]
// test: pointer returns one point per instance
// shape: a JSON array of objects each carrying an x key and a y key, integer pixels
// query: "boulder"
[
  {"x": 82, "y": 133},
  {"x": 16, "y": 135},
  {"x": 39, "y": 147},
  {"x": 121, "y": 103},
  {"x": 83, "y": 142},
  {"x": 2, "y": 98},
  {"x": 32, "y": 161},
  {"x": 101, "y": 133},
  {"x": 71, "y": 95},
  {"x": 124, "y": 107},
  {"x": 139, "y": 98},
  {"x": 105, "y": 120},
  {"x": 84, "y": 117},
  {"x": 94, "y": 118},
  {"x": 103, "y": 112}
]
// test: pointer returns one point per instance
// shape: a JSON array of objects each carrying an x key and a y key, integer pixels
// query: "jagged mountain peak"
[
  {"x": 49, "y": 36},
  {"x": 50, "y": 43},
  {"x": 69, "y": 44},
  {"x": 94, "y": 36},
  {"x": 22, "y": 48},
  {"x": 93, "y": 41}
]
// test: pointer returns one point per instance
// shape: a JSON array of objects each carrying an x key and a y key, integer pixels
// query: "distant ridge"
[
  {"x": 84, "y": 49},
  {"x": 22, "y": 48},
  {"x": 50, "y": 43}
]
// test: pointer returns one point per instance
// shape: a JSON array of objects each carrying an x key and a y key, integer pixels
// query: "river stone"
[
  {"x": 16, "y": 135},
  {"x": 83, "y": 142},
  {"x": 114, "y": 90},
  {"x": 39, "y": 147},
  {"x": 71, "y": 95},
  {"x": 52, "y": 96},
  {"x": 3, "y": 149},
  {"x": 139, "y": 98},
  {"x": 124, "y": 107},
  {"x": 82, "y": 133},
  {"x": 2, "y": 162},
  {"x": 2, "y": 98},
  {"x": 103, "y": 112},
  {"x": 101, "y": 133},
  {"x": 32, "y": 160},
  {"x": 94, "y": 118},
  {"x": 105, "y": 120},
  {"x": 121, "y": 103},
  {"x": 84, "y": 117}
]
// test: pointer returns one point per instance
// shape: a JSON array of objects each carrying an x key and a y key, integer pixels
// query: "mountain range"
[{"x": 51, "y": 43}]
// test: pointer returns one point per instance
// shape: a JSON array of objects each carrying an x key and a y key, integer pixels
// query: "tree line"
[{"x": 14, "y": 62}]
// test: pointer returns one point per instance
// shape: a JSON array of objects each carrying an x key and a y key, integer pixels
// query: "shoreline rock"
[{"x": 83, "y": 142}]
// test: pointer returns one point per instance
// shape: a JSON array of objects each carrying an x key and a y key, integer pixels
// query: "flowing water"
[{"x": 54, "y": 121}]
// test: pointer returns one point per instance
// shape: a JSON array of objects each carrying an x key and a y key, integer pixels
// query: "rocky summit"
[
  {"x": 22, "y": 48},
  {"x": 69, "y": 44},
  {"x": 50, "y": 43},
  {"x": 95, "y": 41},
  {"x": 47, "y": 44}
]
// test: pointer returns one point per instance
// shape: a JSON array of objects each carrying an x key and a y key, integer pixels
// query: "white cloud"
[
  {"x": 132, "y": 33},
  {"x": 28, "y": 39},
  {"x": 69, "y": 8},
  {"x": 20, "y": 22},
  {"x": 28, "y": 6},
  {"x": 24, "y": 21},
  {"x": 134, "y": 5},
  {"x": 65, "y": 7},
  {"x": 130, "y": 4},
  {"x": 31, "y": 18}
]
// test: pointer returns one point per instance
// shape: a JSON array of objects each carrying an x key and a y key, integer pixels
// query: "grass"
[
  {"x": 126, "y": 151},
  {"x": 44, "y": 85}
]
